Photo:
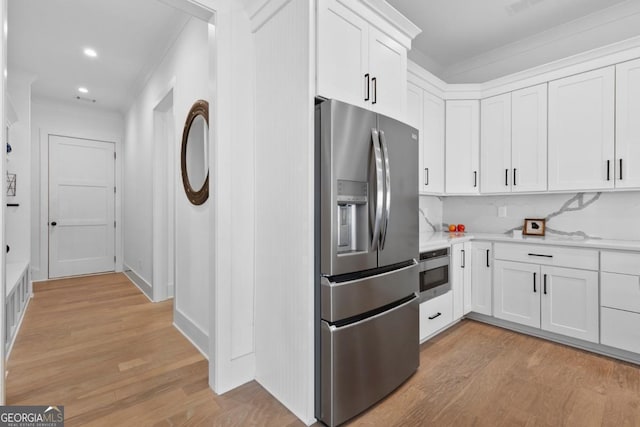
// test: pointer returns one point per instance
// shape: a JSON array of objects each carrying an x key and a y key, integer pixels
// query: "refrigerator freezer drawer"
[
  {"x": 364, "y": 361},
  {"x": 347, "y": 299}
]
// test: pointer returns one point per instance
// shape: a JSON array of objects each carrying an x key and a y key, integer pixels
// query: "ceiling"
[
  {"x": 46, "y": 39},
  {"x": 462, "y": 41},
  {"x": 471, "y": 41}
]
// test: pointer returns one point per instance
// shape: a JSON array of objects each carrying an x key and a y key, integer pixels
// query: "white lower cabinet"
[
  {"x": 570, "y": 302},
  {"x": 555, "y": 299},
  {"x": 620, "y": 329},
  {"x": 620, "y": 300},
  {"x": 516, "y": 292},
  {"x": 435, "y": 314},
  {"x": 460, "y": 278},
  {"x": 481, "y": 278}
]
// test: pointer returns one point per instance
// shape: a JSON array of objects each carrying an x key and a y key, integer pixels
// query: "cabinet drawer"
[
  {"x": 586, "y": 259},
  {"x": 435, "y": 314},
  {"x": 620, "y": 291},
  {"x": 620, "y": 329},
  {"x": 620, "y": 262}
]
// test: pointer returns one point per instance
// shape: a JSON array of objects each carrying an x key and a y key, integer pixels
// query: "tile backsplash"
[{"x": 610, "y": 215}]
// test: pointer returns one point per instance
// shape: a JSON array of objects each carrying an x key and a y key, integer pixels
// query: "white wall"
[
  {"x": 18, "y": 225},
  {"x": 284, "y": 207},
  {"x": 70, "y": 119},
  {"x": 185, "y": 69},
  {"x": 607, "y": 215}
]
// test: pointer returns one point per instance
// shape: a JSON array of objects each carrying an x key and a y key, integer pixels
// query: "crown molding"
[
  {"x": 605, "y": 26},
  {"x": 385, "y": 18},
  {"x": 611, "y": 54},
  {"x": 605, "y": 56}
]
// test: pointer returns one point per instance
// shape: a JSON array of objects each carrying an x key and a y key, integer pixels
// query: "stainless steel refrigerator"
[{"x": 366, "y": 249}]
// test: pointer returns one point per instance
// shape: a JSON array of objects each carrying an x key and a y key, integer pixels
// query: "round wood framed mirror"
[{"x": 194, "y": 155}]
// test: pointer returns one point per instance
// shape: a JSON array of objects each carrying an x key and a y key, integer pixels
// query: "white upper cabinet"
[
  {"x": 495, "y": 152},
  {"x": 388, "y": 69},
  {"x": 581, "y": 131},
  {"x": 425, "y": 112},
  {"x": 343, "y": 55},
  {"x": 627, "y": 167},
  {"x": 360, "y": 63},
  {"x": 462, "y": 136},
  {"x": 415, "y": 118},
  {"x": 529, "y": 139},
  {"x": 433, "y": 142}
]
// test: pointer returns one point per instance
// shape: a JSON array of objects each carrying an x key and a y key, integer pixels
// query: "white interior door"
[{"x": 81, "y": 206}]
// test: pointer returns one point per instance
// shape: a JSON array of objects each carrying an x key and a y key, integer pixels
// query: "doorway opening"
[{"x": 164, "y": 178}]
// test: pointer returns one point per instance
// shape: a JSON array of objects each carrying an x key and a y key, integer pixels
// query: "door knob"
[{"x": 53, "y": 223}]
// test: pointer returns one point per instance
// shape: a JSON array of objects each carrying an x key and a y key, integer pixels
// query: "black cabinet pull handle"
[
  {"x": 434, "y": 316},
  {"x": 487, "y": 257},
  {"x": 426, "y": 176},
  {"x": 514, "y": 177},
  {"x": 608, "y": 170},
  {"x": 620, "y": 169},
  {"x": 366, "y": 78},
  {"x": 534, "y": 283},
  {"x": 53, "y": 223},
  {"x": 545, "y": 256},
  {"x": 506, "y": 177},
  {"x": 475, "y": 178},
  {"x": 545, "y": 284},
  {"x": 464, "y": 261},
  {"x": 374, "y": 81}
]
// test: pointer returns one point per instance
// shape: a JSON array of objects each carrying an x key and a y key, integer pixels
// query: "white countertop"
[{"x": 430, "y": 241}]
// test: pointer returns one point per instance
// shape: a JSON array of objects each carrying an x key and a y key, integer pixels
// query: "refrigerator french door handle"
[
  {"x": 387, "y": 190},
  {"x": 375, "y": 140}
]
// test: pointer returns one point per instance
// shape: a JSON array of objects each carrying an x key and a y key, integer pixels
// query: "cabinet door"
[
  {"x": 467, "y": 269},
  {"x": 627, "y": 124},
  {"x": 529, "y": 139},
  {"x": 462, "y": 147},
  {"x": 343, "y": 58},
  {"x": 481, "y": 278},
  {"x": 581, "y": 131},
  {"x": 516, "y": 292},
  {"x": 570, "y": 302},
  {"x": 433, "y": 144},
  {"x": 414, "y": 118},
  {"x": 495, "y": 144},
  {"x": 388, "y": 68},
  {"x": 457, "y": 278}
]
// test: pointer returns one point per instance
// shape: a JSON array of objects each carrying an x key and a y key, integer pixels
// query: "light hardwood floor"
[{"x": 99, "y": 347}]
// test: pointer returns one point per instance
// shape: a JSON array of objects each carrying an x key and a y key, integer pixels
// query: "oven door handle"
[{"x": 432, "y": 263}]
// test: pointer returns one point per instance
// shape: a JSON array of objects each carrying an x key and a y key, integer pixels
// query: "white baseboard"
[
  {"x": 192, "y": 332},
  {"x": 142, "y": 284}
]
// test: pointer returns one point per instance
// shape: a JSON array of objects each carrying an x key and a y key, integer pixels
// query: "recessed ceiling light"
[
  {"x": 83, "y": 90},
  {"x": 90, "y": 52}
]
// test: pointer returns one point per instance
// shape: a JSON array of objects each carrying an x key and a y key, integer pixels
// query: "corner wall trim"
[
  {"x": 142, "y": 284},
  {"x": 193, "y": 333}
]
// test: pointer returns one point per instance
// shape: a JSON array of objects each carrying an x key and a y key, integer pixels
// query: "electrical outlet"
[{"x": 502, "y": 211}]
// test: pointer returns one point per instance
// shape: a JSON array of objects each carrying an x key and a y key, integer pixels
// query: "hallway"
[{"x": 97, "y": 346}]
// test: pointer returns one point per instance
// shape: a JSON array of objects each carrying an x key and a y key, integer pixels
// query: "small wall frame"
[{"x": 534, "y": 227}]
